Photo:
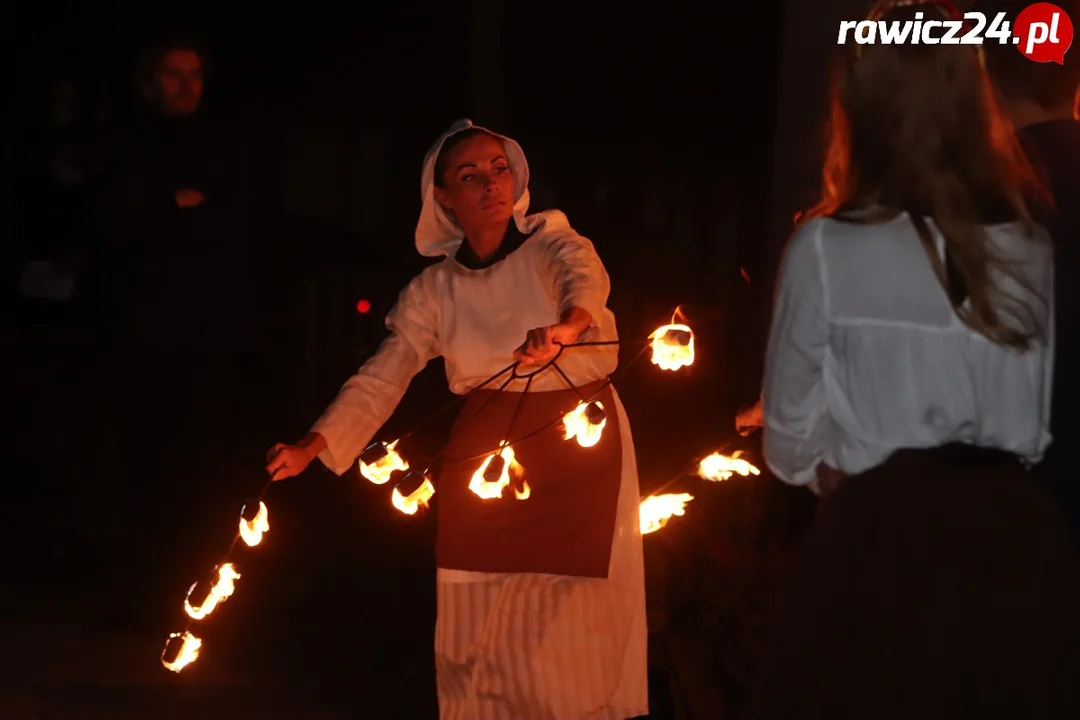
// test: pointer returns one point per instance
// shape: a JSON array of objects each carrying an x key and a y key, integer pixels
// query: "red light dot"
[{"x": 363, "y": 307}]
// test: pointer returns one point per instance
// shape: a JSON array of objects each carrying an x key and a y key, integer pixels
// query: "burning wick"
[
  {"x": 253, "y": 523},
  {"x": 413, "y": 492},
  {"x": 521, "y": 488},
  {"x": 494, "y": 475},
  {"x": 212, "y": 593},
  {"x": 673, "y": 347},
  {"x": 719, "y": 467},
  {"x": 379, "y": 461},
  {"x": 586, "y": 422},
  {"x": 181, "y": 650},
  {"x": 656, "y": 510}
]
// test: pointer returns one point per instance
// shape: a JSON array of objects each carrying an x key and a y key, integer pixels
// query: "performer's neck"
[{"x": 484, "y": 242}]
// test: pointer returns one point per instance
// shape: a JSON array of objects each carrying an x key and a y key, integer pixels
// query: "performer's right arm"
[{"x": 369, "y": 397}]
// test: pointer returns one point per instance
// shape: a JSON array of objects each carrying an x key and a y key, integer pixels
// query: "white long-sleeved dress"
[{"x": 514, "y": 646}]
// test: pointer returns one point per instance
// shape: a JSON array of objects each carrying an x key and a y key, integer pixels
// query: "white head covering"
[{"x": 436, "y": 232}]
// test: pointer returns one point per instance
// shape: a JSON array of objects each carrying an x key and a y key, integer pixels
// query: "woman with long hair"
[
  {"x": 907, "y": 382},
  {"x": 541, "y": 603}
]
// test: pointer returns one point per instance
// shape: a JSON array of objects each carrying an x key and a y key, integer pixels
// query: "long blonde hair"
[{"x": 917, "y": 129}]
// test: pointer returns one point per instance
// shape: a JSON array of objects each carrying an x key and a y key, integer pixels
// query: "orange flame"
[
  {"x": 673, "y": 345},
  {"x": 492, "y": 490},
  {"x": 656, "y": 510},
  {"x": 719, "y": 467},
  {"x": 578, "y": 425},
  {"x": 252, "y": 532},
  {"x": 379, "y": 471},
  {"x": 189, "y": 651},
  {"x": 524, "y": 492},
  {"x": 417, "y": 498},
  {"x": 219, "y": 593}
]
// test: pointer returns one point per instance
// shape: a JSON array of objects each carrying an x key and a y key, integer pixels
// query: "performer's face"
[
  {"x": 478, "y": 185},
  {"x": 178, "y": 84}
]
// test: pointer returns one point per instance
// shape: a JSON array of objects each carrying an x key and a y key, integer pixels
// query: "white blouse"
[
  {"x": 476, "y": 319},
  {"x": 866, "y": 355}
]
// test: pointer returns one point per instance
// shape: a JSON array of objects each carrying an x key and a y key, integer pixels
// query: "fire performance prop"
[{"x": 672, "y": 349}]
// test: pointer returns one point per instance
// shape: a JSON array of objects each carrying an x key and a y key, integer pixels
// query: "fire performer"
[
  {"x": 907, "y": 381},
  {"x": 541, "y": 602}
]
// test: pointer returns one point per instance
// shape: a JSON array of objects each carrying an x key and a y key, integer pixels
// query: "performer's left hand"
[
  {"x": 750, "y": 418},
  {"x": 542, "y": 344},
  {"x": 828, "y": 480},
  {"x": 189, "y": 198}
]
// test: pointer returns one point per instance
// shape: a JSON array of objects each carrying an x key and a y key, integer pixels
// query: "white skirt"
[{"x": 549, "y": 647}]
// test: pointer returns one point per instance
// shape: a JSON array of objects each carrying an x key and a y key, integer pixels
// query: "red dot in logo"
[
  {"x": 1045, "y": 33},
  {"x": 363, "y": 307}
]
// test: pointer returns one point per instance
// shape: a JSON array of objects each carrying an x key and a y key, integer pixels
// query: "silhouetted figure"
[
  {"x": 175, "y": 275},
  {"x": 1041, "y": 98},
  {"x": 907, "y": 382}
]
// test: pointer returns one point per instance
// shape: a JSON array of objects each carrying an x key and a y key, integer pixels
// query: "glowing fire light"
[
  {"x": 719, "y": 467},
  {"x": 181, "y": 650},
  {"x": 523, "y": 492},
  {"x": 379, "y": 461},
  {"x": 252, "y": 528},
  {"x": 673, "y": 346},
  {"x": 586, "y": 422},
  {"x": 489, "y": 481},
  {"x": 219, "y": 592},
  {"x": 656, "y": 510},
  {"x": 419, "y": 492}
]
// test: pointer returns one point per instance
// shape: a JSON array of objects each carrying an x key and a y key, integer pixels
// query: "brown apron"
[{"x": 566, "y": 525}]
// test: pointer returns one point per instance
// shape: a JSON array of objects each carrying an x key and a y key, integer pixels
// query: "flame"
[
  {"x": 656, "y": 510},
  {"x": 417, "y": 498},
  {"x": 494, "y": 490},
  {"x": 719, "y": 467},
  {"x": 379, "y": 471},
  {"x": 577, "y": 424},
  {"x": 524, "y": 492},
  {"x": 668, "y": 352},
  {"x": 219, "y": 593},
  {"x": 252, "y": 532},
  {"x": 189, "y": 651}
]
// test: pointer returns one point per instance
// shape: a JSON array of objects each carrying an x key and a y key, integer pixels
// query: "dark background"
[{"x": 651, "y": 127}]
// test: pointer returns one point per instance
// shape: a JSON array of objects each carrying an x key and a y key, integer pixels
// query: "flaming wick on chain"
[{"x": 183, "y": 648}]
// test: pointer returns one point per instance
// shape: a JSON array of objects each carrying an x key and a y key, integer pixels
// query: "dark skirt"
[{"x": 941, "y": 584}]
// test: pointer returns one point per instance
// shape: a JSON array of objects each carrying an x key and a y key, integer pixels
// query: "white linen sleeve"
[
  {"x": 579, "y": 277},
  {"x": 368, "y": 398},
  {"x": 794, "y": 388}
]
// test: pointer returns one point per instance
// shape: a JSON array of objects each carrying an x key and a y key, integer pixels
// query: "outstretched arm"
[
  {"x": 369, "y": 397},
  {"x": 581, "y": 286},
  {"x": 581, "y": 282}
]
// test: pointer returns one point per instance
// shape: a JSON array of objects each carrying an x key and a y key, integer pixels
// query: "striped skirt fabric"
[{"x": 548, "y": 647}]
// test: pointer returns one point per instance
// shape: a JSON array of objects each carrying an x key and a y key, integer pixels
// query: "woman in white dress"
[
  {"x": 907, "y": 382},
  {"x": 541, "y": 602}
]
